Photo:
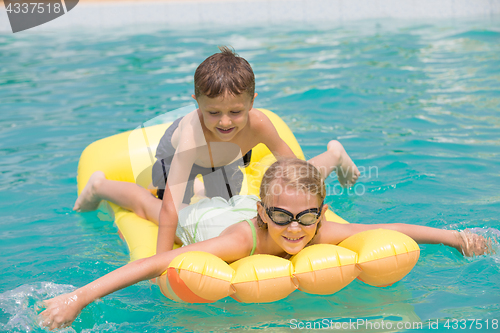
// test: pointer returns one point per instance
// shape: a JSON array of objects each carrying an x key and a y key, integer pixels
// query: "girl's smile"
[{"x": 294, "y": 240}]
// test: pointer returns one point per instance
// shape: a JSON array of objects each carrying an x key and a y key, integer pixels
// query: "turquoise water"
[{"x": 417, "y": 106}]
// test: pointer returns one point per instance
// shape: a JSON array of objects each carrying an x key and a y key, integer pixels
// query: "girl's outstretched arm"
[
  {"x": 62, "y": 310},
  {"x": 235, "y": 243},
  {"x": 465, "y": 242}
]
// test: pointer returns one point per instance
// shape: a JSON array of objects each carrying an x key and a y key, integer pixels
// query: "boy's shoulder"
[
  {"x": 190, "y": 129},
  {"x": 256, "y": 113},
  {"x": 258, "y": 120}
]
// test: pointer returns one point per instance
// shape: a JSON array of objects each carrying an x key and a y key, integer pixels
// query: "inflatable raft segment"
[{"x": 384, "y": 257}]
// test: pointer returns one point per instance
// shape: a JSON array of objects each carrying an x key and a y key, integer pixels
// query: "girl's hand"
[
  {"x": 61, "y": 311},
  {"x": 473, "y": 244}
]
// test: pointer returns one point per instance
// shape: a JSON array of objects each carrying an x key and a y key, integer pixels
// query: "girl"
[{"x": 290, "y": 216}]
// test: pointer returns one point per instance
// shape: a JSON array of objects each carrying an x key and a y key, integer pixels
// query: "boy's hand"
[
  {"x": 473, "y": 244},
  {"x": 60, "y": 311}
]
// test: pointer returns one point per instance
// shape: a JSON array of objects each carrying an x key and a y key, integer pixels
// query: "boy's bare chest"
[{"x": 216, "y": 154}]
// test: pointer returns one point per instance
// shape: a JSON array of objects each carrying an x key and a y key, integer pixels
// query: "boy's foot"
[
  {"x": 346, "y": 170},
  {"x": 88, "y": 200}
]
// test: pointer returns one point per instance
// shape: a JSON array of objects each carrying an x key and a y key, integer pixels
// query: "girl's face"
[{"x": 294, "y": 236}]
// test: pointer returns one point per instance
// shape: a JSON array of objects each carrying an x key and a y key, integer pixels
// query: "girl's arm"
[
  {"x": 465, "y": 242},
  {"x": 61, "y": 311}
]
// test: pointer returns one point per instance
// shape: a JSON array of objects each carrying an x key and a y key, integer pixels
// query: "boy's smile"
[
  {"x": 225, "y": 130},
  {"x": 226, "y": 115}
]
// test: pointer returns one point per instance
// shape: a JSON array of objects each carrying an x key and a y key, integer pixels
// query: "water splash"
[
  {"x": 22, "y": 305},
  {"x": 106, "y": 327},
  {"x": 493, "y": 235}
]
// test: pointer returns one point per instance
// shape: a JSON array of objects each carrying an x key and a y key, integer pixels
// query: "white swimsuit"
[{"x": 209, "y": 217}]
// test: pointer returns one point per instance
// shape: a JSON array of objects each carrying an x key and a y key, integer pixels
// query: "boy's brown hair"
[{"x": 224, "y": 72}]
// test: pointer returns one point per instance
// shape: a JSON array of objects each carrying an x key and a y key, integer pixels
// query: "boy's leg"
[
  {"x": 127, "y": 195},
  {"x": 336, "y": 158}
]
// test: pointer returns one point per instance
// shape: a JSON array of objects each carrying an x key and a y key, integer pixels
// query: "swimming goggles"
[{"x": 283, "y": 217}]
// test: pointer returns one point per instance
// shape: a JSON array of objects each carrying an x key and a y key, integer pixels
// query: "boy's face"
[{"x": 225, "y": 115}]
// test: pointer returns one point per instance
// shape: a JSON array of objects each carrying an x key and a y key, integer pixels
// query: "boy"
[{"x": 209, "y": 141}]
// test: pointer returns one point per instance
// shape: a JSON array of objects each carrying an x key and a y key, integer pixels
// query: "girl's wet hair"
[
  {"x": 290, "y": 174},
  {"x": 222, "y": 73}
]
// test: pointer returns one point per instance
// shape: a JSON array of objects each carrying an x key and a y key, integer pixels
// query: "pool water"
[{"x": 417, "y": 106}]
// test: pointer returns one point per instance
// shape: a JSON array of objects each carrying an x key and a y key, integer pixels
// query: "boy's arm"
[
  {"x": 178, "y": 176},
  {"x": 269, "y": 136},
  {"x": 61, "y": 311},
  {"x": 167, "y": 222},
  {"x": 466, "y": 243}
]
